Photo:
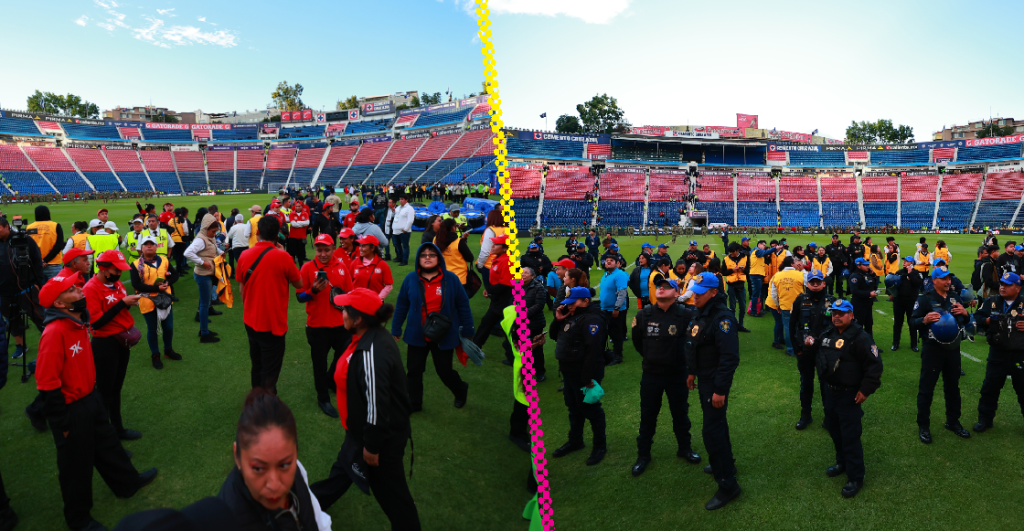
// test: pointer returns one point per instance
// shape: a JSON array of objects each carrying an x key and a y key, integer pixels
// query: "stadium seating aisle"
[
  {"x": 385, "y": 172},
  {"x": 306, "y": 163},
  {"x": 442, "y": 117},
  {"x": 160, "y": 168},
  {"x": 621, "y": 213},
  {"x": 435, "y": 147},
  {"x": 957, "y": 200},
  {"x": 57, "y": 168},
  {"x": 470, "y": 169},
  {"x": 337, "y": 161}
]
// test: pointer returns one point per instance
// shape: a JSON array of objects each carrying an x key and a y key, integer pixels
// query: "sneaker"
[
  {"x": 157, "y": 364},
  {"x": 209, "y": 338},
  {"x": 171, "y": 354},
  {"x": 19, "y": 352}
]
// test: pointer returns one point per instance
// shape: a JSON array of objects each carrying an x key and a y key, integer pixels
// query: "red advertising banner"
[
  {"x": 745, "y": 121},
  {"x": 151, "y": 125},
  {"x": 997, "y": 141},
  {"x": 286, "y": 116},
  {"x": 307, "y": 115},
  {"x": 296, "y": 116},
  {"x": 777, "y": 155},
  {"x": 723, "y": 131},
  {"x": 210, "y": 127},
  {"x": 648, "y": 130},
  {"x": 789, "y": 136}
]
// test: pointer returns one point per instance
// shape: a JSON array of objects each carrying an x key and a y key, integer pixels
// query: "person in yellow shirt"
[
  {"x": 47, "y": 237},
  {"x": 922, "y": 259},
  {"x": 735, "y": 272},
  {"x": 941, "y": 252},
  {"x": 786, "y": 286},
  {"x": 877, "y": 262},
  {"x": 708, "y": 256}
]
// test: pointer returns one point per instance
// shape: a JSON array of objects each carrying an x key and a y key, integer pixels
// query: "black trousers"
[
  {"x": 843, "y": 415},
  {"x": 266, "y": 352},
  {"x": 935, "y": 361},
  {"x": 297, "y": 248},
  {"x": 616, "y": 330},
  {"x": 111, "y": 359},
  {"x": 178, "y": 253},
  {"x": 417, "y": 365},
  {"x": 737, "y": 299},
  {"x": 91, "y": 442},
  {"x": 321, "y": 340},
  {"x": 862, "y": 313},
  {"x": 235, "y": 254},
  {"x": 519, "y": 422},
  {"x": 652, "y": 387},
  {"x": 805, "y": 364},
  {"x": 901, "y": 309},
  {"x": 716, "y": 432},
  {"x": 580, "y": 411},
  {"x": 835, "y": 284},
  {"x": 495, "y": 313},
  {"x": 995, "y": 378},
  {"x": 387, "y": 484}
]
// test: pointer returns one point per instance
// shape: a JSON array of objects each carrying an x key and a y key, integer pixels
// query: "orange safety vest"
[
  {"x": 46, "y": 237},
  {"x": 731, "y": 264},
  {"x": 152, "y": 276}
]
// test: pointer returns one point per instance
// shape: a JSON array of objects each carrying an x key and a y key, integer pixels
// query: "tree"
[
  {"x": 568, "y": 124},
  {"x": 602, "y": 115},
  {"x": 402, "y": 107},
  {"x": 993, "y": 131},
  {"x": 430, "y": 99},
  {"x": 288, "y": 97},
  {"x": 351, "y": 103},
  {"x": 414, "y": 102},
  {"x": 165, "y": 118},
  {"x": 274, "y": 118},
  {"x": 880, "y": 132},
  {"x": 69, "y": 105}
]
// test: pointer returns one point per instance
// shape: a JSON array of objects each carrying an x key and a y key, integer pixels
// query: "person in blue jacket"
[{"x": 443, "y": 292}]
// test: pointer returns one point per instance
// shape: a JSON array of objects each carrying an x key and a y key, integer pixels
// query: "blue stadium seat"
[
  {"x": 26, "y": 182},
  {"x": 955, "y": 214},
  {"x": 799, "y": 214},
  {"x": 441, "y": 118},
  {"x": 914, "y": 215},
  {"x": 307, "y": 131},
  {"x": 249, "y": 179},
  {"x": 844, "y": 214},
  {"x": 664, "y": 213},
  {"x": 276, "y": 177},
  {"x": 105, "y": 181},
  {"x": 656, "y": 152},
  {"x": 165, "y": 135},
  {"x": 908, "y": 157},
  {"x": 357, "y": 174},
  {"x": 27, "y": 127},
  {"x": 760, "y": 214},
  {"x": 1005, "y": 151},
  {"x": 526, "y": 212},
  {"x": 303, "y": 176},
  {"x": 469, "y": 167},
  {"x": 165, "y": 181},
  {"x": 817, "y": 159},
  {"x": 371, "y": 126},
  {"x": 551, "y": 149},
  {"x": 67, "y": 182},
  {"x": 385, "y": 172},
  {"x": 134, "y": 181},
  {"x": 436, "y": 171},
  {"x": 193, "y": 181},
  {"x": 220, "y": 180},
  {"x": 619, "y": 213},
  {"x": 995, "y": 213},
  {"x": 91, "y": 131},
  {"x": 877, "y": 214},
  {"x": 246, "y": 133},
  {"x": 566, "y": 213},
  {"x": 329, "y": 175}
]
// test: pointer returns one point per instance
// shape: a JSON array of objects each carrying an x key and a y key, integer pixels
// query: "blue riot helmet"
[
  {"x": 946, "y": 329},
  {"x": 892, "y": 281}
]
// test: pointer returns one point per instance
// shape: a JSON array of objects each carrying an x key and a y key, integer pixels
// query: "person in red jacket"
[
  {"x": 298, "y": 221},
  {"x": 498, "y": 291},
  {"x": 167, "y": 215},
  {"x": 322, "y": 278},
  {"x": 113, "y": 333},
  {"x": 369, "y": 270},
  {"x": 349, "y": 220},
  {"x": 66, "y": 376},
  {"x": 346, "y": 250}
]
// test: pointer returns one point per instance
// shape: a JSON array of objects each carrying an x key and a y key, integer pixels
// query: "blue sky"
[
  {"x": 227, "y": 56},
  {"x": 800, "y": 66}
]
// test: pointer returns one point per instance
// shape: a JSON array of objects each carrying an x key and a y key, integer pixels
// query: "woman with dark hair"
[
  {"x": 373, "y": 403},
  {"x": 369, "y": 270},
  {"x": 574, "y": 278},
  {"x": 430, "y": 231},
  {"x": 198, "y": 222},
  {"x": 639, "y": 278},
  {"x": 365, "y": 224},
  {"x": 454, "y": 248},
  {"x": 231, "y": 219},
  {"x": 263, "y": 489},
  {"x": 178, "y": 228}
]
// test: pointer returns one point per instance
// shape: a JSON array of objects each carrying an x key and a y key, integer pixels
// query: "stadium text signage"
[
  {"x": 672, "y": 133},
  {"x": 724, "y": 132},
  {"x": 249, "y": 148},
  {"x": 52, "y": 118},
  {"x": 151, "y": 125},
  {"x": 872, "y": 147},
  {"x": 220, "y": 148},
  {"x": 376, "y": 139},
  {"x": 124, "y": 124},
  {"x": 537, "y": 135},
  {"x": 283, "y": 146},
  {"x": 941, "y": 145},
  {"x": 788, "y": 147},
  {"x": 210, "y": 127},
  {"x": 373, "y": 109},
  {"x": 997, "y": 141},
  {"x": 790, "y": 136},
  {"x": 116, "y": 147}
]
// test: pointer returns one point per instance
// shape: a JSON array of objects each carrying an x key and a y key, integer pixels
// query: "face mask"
[{"x": 78, "y": 306}]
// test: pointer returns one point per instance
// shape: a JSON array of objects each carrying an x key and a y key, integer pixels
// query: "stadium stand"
[
  {"x": 337, "y": 162},
  {"x": 1002, "y": 152},
  {"x": 999, "y": 199},
  {"x": 306, "y": 131},
  {"x": 525, "y": 183},
  {"x": 19, "y": 127},
  {"x": 370, "y": 126},
  {"x": 220, "y": 166},
  {"x": 249, "y": 168},
  {"x": 957, "y": 200},
  {"x": 547, "y": 149},
  {"x": 622, "y": 186},
  {"x": 472, "y": 170},
  {"x": 104, "y": 132},
  {"x": 160, "y": 168},
  {"x": 900, "y": 157},
  {"x": 917, "y": 200},
  {"x": 366, "y": 159},
  {"x": 306, "y": 163},
  {"x": 839, "y": 200},
  {"x": 167, "y": 135},
  {"x": 526, "y": 211},
  {"x": 762, "y": 214},
  {"x": 566, "y": 213},
  {"x": 668, "y": 185},
  {"x": 734, "y": 155},
  {"x": 235, "y": 133},
  {"x": 655, "y": 151},
  {"x": 401, "y": 152},
  {"x": 440, "y": 118},
  {"x": 57, "y": 169},
  {"x": 279, "y": 166},
  {"x": 798, "y": 195},
  {"x": 568, "y": 184},
  {"x": 621, "y": 213},
  {"x": 435, "y": 147},
  {"x": 126, "y": 164},
  {"x": 191, "y": 170},
  {"x": 880, "y": 199},
  {"x": 755, "y": 189},
  {"x": 822, "y": 159}
]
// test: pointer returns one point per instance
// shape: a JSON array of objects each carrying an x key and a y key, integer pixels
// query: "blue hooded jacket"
[{"x": 409, "y": 307}]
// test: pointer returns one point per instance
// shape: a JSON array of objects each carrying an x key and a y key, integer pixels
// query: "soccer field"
[
  {"x": 467, "y": 475},
  {"x": 951, "y": 484}
]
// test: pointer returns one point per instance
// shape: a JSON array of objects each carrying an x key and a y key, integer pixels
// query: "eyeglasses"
[{"x": 428, "y": 255}]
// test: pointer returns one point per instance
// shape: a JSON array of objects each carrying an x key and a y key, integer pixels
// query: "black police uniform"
[
  {"x": 580, "y": 340},
  {"x": 659, "y": 337},
  {"x": 712, "y": 355},
  {"x": 937, "y": 358},
  {"x": 848, "y": 362},
  {"x": 903, "y": 305},
  {"x": 861, "y": 285},
  {"x": 691, "y": 257},
  {"x": 1005, "y": 355},
  {"x": 837, "y": 254},
  {"x": 583, "y": 260},
  {"x": 853, "y": 252},
  {"x": 808, "y": 318}
]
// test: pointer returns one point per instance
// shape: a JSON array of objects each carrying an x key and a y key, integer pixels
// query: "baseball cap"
[
  {"x": 55, "y": 286},
  {"x": 110, "y": 225},
  {"x": 255, "y": 208},
  {"x": 812, "y": 244},
  {"x": 136, "y": 220},
  {"x": 576, "y": 294},
  {"x": 147, "y": 239},
  {"x": 940, "y": 272},
  {"x": 1010, "y": 278},
  {"x": 500, "y": 240},
  {"x": 324, "y": 239},
  {"x": 910, "y": 259},
  {"x": 533, "y": 247},
  {"x": 661, "y": 281},
  {"x": 580, "y": 245},
  {"x": 745, "y": 239},
  {"x": 454, "y": 207},
  {"x": 346, "y": 233},
  {"x": 361, "y": 299},
  {"x": 75, "y": 252},
  {"x": 168, "y": 204},
  {"x": 95, "y": 223},
  {"x": 368, "y": 239},
  {"x": 816, "y": 275},
  {"x": 662, "y": 246},
  {"x": 355, "y": 200},
  {"x": 938, "y": 261},
  {"x": 565, "y": 262},
  {"x": 115, "y": 258},
  {"x": 101, "y": 210},
  {"x": 614, "y": 247},
  {"x": 842, "y": 306},
  {"x": 862, "y": 261},
  {"x": 646, "y": 246},
  {"x": 708, "y": 281},
  {"x": 1019, "y": 248},
  {"x": 693, "y": 242}
]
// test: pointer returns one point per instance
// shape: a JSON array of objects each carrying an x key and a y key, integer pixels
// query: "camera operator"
[
  {"x": 48, "y": 235},
  {"x": 21, "y": 268}
]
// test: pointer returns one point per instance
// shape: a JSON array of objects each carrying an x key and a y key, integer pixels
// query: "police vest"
[
  {"x": 152, "y": 276},
  {"x": 662, "y": 333},
  {"x": 1002, "y": 330},
  {"x": 570, "y": 340},
  {"x": 835, "y": 361},
  {"x": 101, "y": 243},
  {"x": 253, "y": 231},
  {"x": 730, "y": 264},
  {"x": 812, "y": 317},
  {"x": 701, "y": 349},
  {"x": 46, "y": 237}
]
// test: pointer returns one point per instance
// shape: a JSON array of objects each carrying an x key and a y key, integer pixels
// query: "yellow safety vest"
[
  {"x": 79, "y": 240},
  {"x": 789, "y": 284},
  {"x": 177, "y": 230},
  {"x": 757, "y": 265},
  {"x": 942, "y": 254},
  {"x": 46, "y": 238},
  {"x": 458, "y": 221},
  {"x": 707, "y": 259},
  {"x": 253, "y": 231},
  {"x": 651, "y": 288},
  {"x": 100, "y": 243},
  {"x": 921, "y": 257},
  {"x": 820, "y": 266},
  {"x": 161, "y": 240},
  {"x": 731, "y": 264},
  {"x": 131, "y": 245},
  {"x": 877, "y": 265},
  {"x": 893, "y": 267},
  {"x": 152, "y": 276},
  {"x": 498, "y": 232}
]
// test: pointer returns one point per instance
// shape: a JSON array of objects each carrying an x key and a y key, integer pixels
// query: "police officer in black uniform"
[
  {"x": 863, "y": 290},
  {"x": 836, "y": 252},
  {"x": 1002, "y": 318},
  {"x": 808, "y": 319},
  {"x": 854, "y": 251},
  {"x": 712, "y": 355},
  {"x": 582, "y": 258},
  {"x": 694, "y": 255},
  {"x": 939, "y": 357},
  {"x": 903, "y": 302},
  {"x": 659, "y": 336},
  {"x": 850, "y": 365},
  {"x": 580, "y": 332}
]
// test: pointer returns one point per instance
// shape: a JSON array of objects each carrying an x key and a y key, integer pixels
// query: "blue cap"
[
  {"x": 745, "y": 239},
  {"x": 576, "y": 294},
  {"x": 614, "y": 247},
  {"x": 581, "y": 244},
  {"x": 1019, "y": 248},
  {"x": 816, "y": 274},
  {"x": 533, "y": 246},
  {"x": 1010, "y": 278},
  {"x": 940, "y": 272},
  {"x": 812, "y": 244},
  {"x": 646, "y": 246},
  {"x": 839, "y": 306},
  {"x": 663, "y": 280},
  {"x": 662, "y": 246},
  {"x": 862, "y": 261},
  {"x": 938, "y": 261},
  {"x": 910, "y": 259},
  {"x": 693, "y": 242},
  {"x": 707, "y": 281}
]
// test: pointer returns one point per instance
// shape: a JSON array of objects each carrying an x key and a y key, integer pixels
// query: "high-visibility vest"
[
  {"x": 820, "y": 266},
  {"x": 921, "y": 257},
  {"x": 162, "y": 239},
  {"x": 707, "y": 259},
  {"x": 458, "y": 221},
  {"x": 893, "y": 267},
  {"x": 671, "y": 276},
  {"x": 731, "y": 264},
  {"x": 253, "y": 231},
  {"x": 943, "y": 254},
  {"x": 46, "y": 238},
  {"x": 682, "y": 288},
  {"x": 877, "y": 265},
  {"x": 131, "y": 243},
  {"x": 78, "y": 240},
  {"x": 101, "y": 243},
  {"x": 151, "y": 275},
  {"x": 498, "y": 232},
  {"x": 177, "y": 230},
  {"x": 789, "y": 284},
  {"x": 757, "y": 265}
]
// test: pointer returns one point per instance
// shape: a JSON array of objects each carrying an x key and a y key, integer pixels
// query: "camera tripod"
[{"x": 19, "y": 315}]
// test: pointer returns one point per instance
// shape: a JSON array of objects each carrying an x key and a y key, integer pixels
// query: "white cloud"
[
  {"x": 102, "y": 4},
  {"x": 193, "y": 35},
  {"x": 82, "y": 20},
  {"x": 148, "y": 34},
  {"x": 104, "y": 25},
  {"x": 118, "y": 16},
  {"x": 202, "y": 19},
  {"x": 166, "y": 11},
  {"x": 589, "y": 11}
]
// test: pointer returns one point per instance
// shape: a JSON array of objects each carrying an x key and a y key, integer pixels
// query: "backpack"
[{"x": 976, "y": 281}]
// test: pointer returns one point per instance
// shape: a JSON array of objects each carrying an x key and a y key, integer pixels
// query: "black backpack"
[{"x": 976, "y": 281}]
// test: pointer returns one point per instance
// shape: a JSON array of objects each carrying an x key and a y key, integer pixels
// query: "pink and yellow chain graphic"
[{"x": 529, "y": 379}]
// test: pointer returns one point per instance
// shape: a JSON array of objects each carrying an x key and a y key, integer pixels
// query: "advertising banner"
[
  {"x": 155, "y": 148},
  {"x": 477, "y": 127},
  {"x": 194, "y": 147},
  {"x": 296, "y": 116},
  {"x": 942, "y": 145},
  {"x": 321, "y": 118},
  {"x": 52, "y": 118},
  {"x": 307, "y": 115},
  {"x": 672, "y": 133},
  {"x": 151, "y": 125},
  {"x": 373, "y": 109},
  {"x": 353, "y": 114},
  {"x": 586, "y": 139},
  {"x": 997, "y": 141},
  {"x": 253, "y": 147},
  {"x": 833, "y": 141},
  {"x": 283, "y": 146},
  {"x": 724, "y": 132},
  {"x": 337, "y": 116},
  {"x": 872, "y": 147},
  {"x": 789, "y": 136},
  {"x": 480, "y": 115},
  {"x": 788, "y": 147},
  {"x": 251, "y": 126},
  {"x": 81, "y": 145},
  {"x": 648, "y": 130},
  {"x": 210, "y": 127},
  {"x": 220, "y": 148},
  {"x": 373, "y": 139},
  {"x": 338, "y": 143},
  {"x": 618, "y": 169},
  {"x": 744, "y": 121},
  {"x": 124, "y": 124},
  {"x": 286, "y": 116},
  {"x": 116, "y": 147}
]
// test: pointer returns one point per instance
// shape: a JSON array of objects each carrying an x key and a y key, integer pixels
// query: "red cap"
[
  {"x": 361, "y": 299},
  {"x": 115, "y": 258},
  {"x": 56, "y": 285},
  {"x": 275, "y": 203},
  {"x": 368, "y": 239},
  {"x": 168, "y": 204},
  {"x": 565, "y": 262},
  {"x": 324, "y": 239},
  {"x": 101, "y": 210},
  {"x": 346, "y": 233},
  {"x": 75, "y": 252},
  {"x": 501, "y": 240}
]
